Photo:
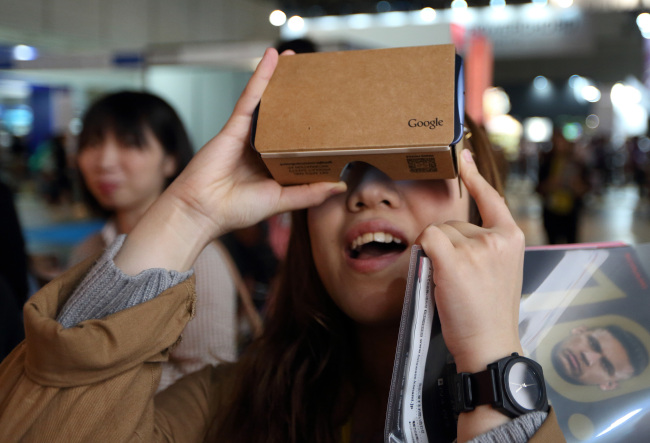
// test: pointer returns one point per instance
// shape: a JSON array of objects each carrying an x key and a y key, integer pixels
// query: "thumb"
[{"x": 309, "y": 195}]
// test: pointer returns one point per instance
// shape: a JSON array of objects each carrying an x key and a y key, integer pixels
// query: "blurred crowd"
[{"x": 569, "y": 173}]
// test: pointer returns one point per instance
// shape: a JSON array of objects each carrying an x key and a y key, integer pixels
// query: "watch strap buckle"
[{"x": 462, "y": 395}]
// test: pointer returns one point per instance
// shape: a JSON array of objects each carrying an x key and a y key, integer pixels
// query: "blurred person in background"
[
  {"x": 563, "y": 182},
  {"x": 14, "y": 286},
  {"x": 638, "y": 163},
  {"x": 49, "y": 165},
  {"x": 131, "y": 146},
  {"x": 601, "y": 173}
]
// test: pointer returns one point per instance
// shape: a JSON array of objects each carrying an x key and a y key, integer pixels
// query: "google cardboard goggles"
[{"x": 400, "y": 110}]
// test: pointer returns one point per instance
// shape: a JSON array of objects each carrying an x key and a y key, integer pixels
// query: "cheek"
[
  {"x": 325, "y": 218},
  {"x": 85, "y": 162},
  {"x": 143, "y": 168},
  {"x": 439, "y": 204},
  {"x": 324, "y": 224}
]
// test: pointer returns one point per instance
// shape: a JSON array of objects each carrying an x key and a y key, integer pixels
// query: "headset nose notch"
[{"x": 368, "y": 188}]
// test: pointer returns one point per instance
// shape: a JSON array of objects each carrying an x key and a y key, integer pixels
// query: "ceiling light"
[
  {"x": 25, "y": 53},
  {"x": 563, "y": 3},
  {"x": 643, "y": 21},
  {"x": 625, "y": 94},
  {"x": 428, "y": 14},
  {"x": 574, "y": 80},
  {"x": 538, "y": 129},
  {"x": 591, "y": 93},
  {"x": 383, "y": 6},
  {"x": 277, "y": 18},
  {"x": 540, "y": 82},
  {"x": 296, "y": 23}
]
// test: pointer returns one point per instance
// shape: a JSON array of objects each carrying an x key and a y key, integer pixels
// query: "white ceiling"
[
  {"x": 72, "y": 26},
  {"x": 77, "y": 34},
  {"x": 108, "y": 25}
]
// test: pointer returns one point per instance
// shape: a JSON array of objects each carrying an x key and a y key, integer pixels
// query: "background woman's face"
[
  {"x": 361, "y": 239},
  {"x": 123, "y": 177}
]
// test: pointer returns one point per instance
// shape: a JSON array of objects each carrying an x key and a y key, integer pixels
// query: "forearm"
[
  {"x": 169, "y": 236},
  {"x": 107, "y": 290}
]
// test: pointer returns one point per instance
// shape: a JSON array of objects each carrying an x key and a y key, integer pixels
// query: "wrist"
[
  {"x": 479, "y": 357},
  {"x": 168, "y": 236},
  {"x": 479, "y": 421}
]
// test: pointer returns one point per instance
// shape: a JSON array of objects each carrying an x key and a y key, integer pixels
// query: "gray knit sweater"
[{"x": 106, "y": 290}]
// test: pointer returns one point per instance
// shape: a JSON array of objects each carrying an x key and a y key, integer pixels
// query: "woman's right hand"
[
  {"x": 228, "y": 185},
  {"x": 225, "y": 186}
]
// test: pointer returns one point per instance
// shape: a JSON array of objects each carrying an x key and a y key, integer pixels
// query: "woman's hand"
[
  {"x": 478, "y": 276},
  {"x": 224, "y": 187},
  {"x": 477, "y": 273},
  {"x": 228, "y": 185}
]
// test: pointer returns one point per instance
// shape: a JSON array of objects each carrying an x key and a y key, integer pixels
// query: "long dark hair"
[
  {"x": 127, "y": 115},
  {"x": 295, "y": 383}
]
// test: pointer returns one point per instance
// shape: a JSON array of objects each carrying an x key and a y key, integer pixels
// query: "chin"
[
  {"x": 379, "y": 321},
  {"x": 378, "y": 310},
  {"x": 108, "y": 205}
]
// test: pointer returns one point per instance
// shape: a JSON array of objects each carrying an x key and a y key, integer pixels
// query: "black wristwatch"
[{"x": 513, "y": 385}]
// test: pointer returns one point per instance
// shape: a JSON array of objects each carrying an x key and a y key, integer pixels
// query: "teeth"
[{"x": 379, "y": 237}]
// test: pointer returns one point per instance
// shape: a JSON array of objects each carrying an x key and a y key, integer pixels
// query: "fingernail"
[
  {"x": 467, "y": 155},
  {"x": 338, "y": 187}
]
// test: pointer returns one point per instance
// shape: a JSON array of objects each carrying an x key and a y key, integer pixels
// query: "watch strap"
[
  {"x": 473, "y": 390},
  {"x": 484, "y": 387}
]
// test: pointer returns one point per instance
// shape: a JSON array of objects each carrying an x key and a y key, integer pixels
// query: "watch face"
[{"x": 524, "y": 385}]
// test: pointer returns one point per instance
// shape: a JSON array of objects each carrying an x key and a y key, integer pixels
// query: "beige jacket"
[
  {"x": 211, "y": 336},
  {"x": 96, "y": 382}
]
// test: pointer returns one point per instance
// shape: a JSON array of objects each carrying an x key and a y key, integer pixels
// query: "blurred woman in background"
[{"x": 133, "y": 145}]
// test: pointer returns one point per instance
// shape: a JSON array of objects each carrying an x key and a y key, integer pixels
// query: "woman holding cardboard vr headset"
[{"x": 321, "y": 371}]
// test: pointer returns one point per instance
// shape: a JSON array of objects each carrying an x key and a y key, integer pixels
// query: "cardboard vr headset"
[{"x": 399, "y": 109}]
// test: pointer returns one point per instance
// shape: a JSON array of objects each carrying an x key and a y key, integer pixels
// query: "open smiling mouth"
[{"x": 375, "y": 244}]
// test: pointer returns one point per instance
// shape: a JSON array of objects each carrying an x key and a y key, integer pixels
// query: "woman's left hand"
[{"x": 477, "y": 273}]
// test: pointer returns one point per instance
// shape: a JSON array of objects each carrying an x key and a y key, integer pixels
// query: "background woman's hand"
[{"x": 225, "y": 186}]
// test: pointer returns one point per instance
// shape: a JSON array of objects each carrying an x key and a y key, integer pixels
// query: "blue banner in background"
[{"x": 6, "y": 57}]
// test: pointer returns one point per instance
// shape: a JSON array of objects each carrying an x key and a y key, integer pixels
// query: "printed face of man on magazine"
[{"x": 602, "y": 356}]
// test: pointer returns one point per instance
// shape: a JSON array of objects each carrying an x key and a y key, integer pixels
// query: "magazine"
[
  {"x": 586, "y": 311},
  {"x": 584, "y": 316},
  {"x": 418, "y": 405}
]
